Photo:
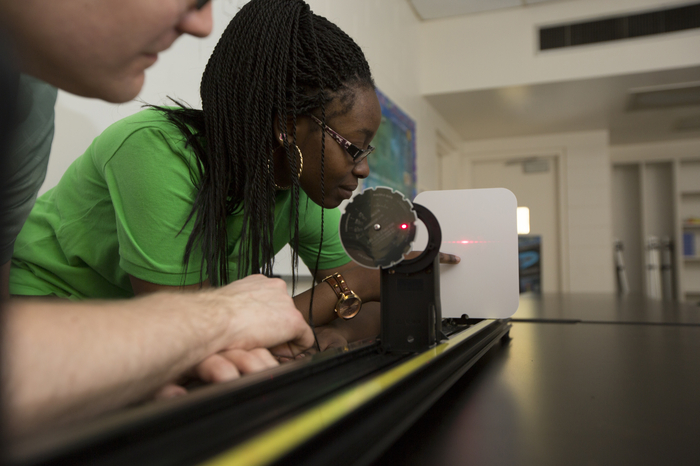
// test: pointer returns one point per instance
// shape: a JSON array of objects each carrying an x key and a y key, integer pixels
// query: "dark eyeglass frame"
[
  {"x": 357, "y": 154},
  {"x": 200, "y": 4}
]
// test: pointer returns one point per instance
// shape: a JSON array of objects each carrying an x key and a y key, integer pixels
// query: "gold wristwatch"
[{"x": 349, "y": 304}]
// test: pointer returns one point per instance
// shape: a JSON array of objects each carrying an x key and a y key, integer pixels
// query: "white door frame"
[{"x": 559, "y": 154}]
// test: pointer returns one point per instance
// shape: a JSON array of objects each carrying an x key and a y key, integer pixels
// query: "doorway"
[{"x": 535, "y": 183}]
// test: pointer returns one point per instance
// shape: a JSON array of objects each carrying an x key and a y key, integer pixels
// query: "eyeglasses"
[{"x": 357, "y": 154}]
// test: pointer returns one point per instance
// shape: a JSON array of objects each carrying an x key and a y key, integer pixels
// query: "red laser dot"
[{"x": 404, "y": 226}]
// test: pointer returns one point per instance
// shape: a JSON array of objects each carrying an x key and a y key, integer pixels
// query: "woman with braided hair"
[{"x": 177, "y": 197}]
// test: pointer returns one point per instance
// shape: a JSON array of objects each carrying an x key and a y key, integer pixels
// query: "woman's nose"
[{"x": 361, "y": 170}]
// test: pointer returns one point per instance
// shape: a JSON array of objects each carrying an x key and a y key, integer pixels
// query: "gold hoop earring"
[{"x": 301, "y": 163}]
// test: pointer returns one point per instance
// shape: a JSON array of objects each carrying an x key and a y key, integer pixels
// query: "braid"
[
  {"x": 294, "y": 205},
  {"x": 275, "y": 59},
  {"x": 323, "y": 195}
]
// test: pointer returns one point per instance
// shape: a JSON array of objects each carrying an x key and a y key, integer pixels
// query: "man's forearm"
[{"x": 67, "y": 360}]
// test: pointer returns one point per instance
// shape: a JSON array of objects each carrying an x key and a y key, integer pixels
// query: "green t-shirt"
[{"x": 119, "y": 210}]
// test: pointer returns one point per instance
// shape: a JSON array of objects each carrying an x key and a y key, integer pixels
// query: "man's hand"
[
  {"x": 223, "y": 367},
  {"x": 258, "y": 314},
  {"x": 231, "y": 364},
  {"x": 261, "y": 315}
]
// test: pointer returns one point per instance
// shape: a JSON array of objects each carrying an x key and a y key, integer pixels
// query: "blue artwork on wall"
[
  {"x": 393, "y": 163},
  {"x": 529, "y": 250}
]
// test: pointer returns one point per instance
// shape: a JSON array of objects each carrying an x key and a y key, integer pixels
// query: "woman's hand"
[
  {"x": 330, "y": 337},
  {"x": 449, "y": 258},
  {"x": 444, "y": 257}
]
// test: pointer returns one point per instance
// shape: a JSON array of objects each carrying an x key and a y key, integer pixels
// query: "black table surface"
[
  {"x": 571, "y": 393},
  {"x": 605, "y": 308}
]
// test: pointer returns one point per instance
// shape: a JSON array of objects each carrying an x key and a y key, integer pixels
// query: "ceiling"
[
  {"x": 591, "y": 104},
  {"x": 584, "y": 105},
  {"x": 433, "y": 9}
]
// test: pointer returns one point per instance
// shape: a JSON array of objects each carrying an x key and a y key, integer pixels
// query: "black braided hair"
[{"x": 276, "y": 58}]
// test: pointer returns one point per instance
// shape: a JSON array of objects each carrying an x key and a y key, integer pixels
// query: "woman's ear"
[{"x": 278, "y": 133}]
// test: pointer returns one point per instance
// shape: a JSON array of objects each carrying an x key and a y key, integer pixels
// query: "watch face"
[
  {"x": 378, "y": 227},
  {"x": 349, "y": 306}
]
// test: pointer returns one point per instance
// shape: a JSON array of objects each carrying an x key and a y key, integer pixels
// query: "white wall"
[
  {"x": 585, "y": 209},
  {"x": 499, "y": 48}
]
